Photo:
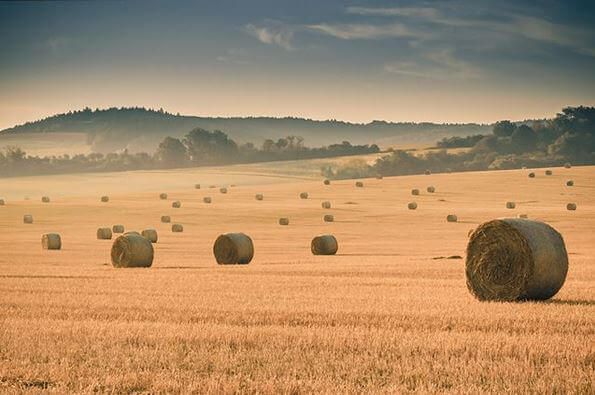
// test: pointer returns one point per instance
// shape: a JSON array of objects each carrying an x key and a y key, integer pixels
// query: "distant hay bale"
[
  {"x": 132, "y": 250},
  {"x": 569, "y": 183},
  {"x": 431, "y": 189},
  {"x": 531, "y": 175},
  {"x": 177, "y": 228},
  {"x": 105, "y": 199},
  {"x": 304, "y": 195},
  {"x": 233, "y": 249},
  {"x": 2, "y": 203},
  {"x": 27, "y": 219},
  {"x": 427, "y": 172},
  {"x": 176, "y": 204},
  {"x": 259, "y": 196},
  {"x": 324, "y": 245},
  {"x": 196, "y": 186},
  {"x": 524, "y": 216},
  {"x": 567, "y": 165},
  {"x": 166, "y": 219},
  {"x": 510, "y": 205},
  {"x": 45, "y": 199},
  {"x": 326, "y": 204},
  {"x": 104, "y": 234},
  {"x": 415, "y": 192},
  {"x": 150, "y": 234},
  {"x": 412, "y": 206},
  {"x": 451, "y": 218},
  {"x": 571, "y": 206},
  {"x": 359, "y": 184},
  {"x": 515, "y": 259},
  {"x": 51, "y": 241},
  {"x": 212, "y": 186},
  {"x": 379, "y": 177},
  {"x": 206, "y": 199},
  {"x": 232, "y": 185},
  {"x": 329, "y": 218},
  {"x": 118, "y": 229},
  {"x": 283, "y": 221},
  {"x": 548, "y": 173},
  {"x": 223, "y": 190},
  {"x": 327, "y": 182},
  {"x": 163, "y": 196}
]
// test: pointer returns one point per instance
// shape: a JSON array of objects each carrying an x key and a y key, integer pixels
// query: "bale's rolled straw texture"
[
  {"x": 324, "y": 245},
  {"x": 223, "y": 190},
  {"x": 45, "y": 199},
  {"x": 118, "y": 229},
  {"x": 104, "y": 234},
  {"x": 233, "y": 249},
  {"x": 412, "y": 206},
  {"x": 327, "y": 182},
  {"x": 571, "y": 206},
  {"x": 163, "y": 196},
  {"x": 132, "y": 250},
  {"x": 415, "y": 192},
  {"x": 569, "y": 183},
  {"x": 515, "y": 259},
  {"x": 531, "y": 175},
  {"x": 177, "y": 228},
  {"x": 548, "y": 173},
  {"x": 150, "y": 234},
  {"x": 326, "y": 204},
  {"x": 359, "y": 184},
  {"x": 51, "y": 241},
  {"x": 451, "y": 218},
  {"x": 283, "y": 221},
  {"x": 431, "y": 189},
  {"x": 329, "y": 218},
  {"x": 304, "y": 195},
  {"x": 27, "y": 219},
  {"x": 166, "y": 219},
  {"x": 510, "y": 205},
  {"x": 259, "y": 196},
  {"x": 207, "y": 199},
  {"x": 176, "y": 204}
]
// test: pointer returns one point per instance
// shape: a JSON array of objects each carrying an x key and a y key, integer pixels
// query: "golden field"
[{"x": 381, "y": 316}]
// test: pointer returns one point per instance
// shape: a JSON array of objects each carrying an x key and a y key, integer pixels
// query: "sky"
[{"x": 441, "y": 61}]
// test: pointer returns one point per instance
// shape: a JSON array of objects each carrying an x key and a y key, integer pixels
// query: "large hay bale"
[
  {"x": 510, "y": 205},
  {"x": 163, "y": 196},
  {"x": 431, "y": 189},
  {"x": 45, "y": 199},
  {"x": 324, "y": 245},
  {"x": 104, "y": 234},
  {"x": 515, "y": 259},
  {"x": 327, "y": 182},
  {"x": 233, "y": 249},
  {"x": 567, "y": 165},
  {"x": 329, "y": 218},
  {"x": 548, "y": 173},
  {"x": 284, "y": 221},
  {"x": 132, "y": 250},
  {"x": 415, "y": 192},
  {"x": 571, "y": 206},
  {"x": 359, "y": 184},
  {"x": 304, "y": 195},
  {"x": 177, "y": 228},
  {"x": 207, "y": 199},
  {"x": 326, "y": 204},
  {"x": 27, "y": 219},
  {"x": 451, "y": 218},
  {"x": 176, "y": 204},
  {"x": 105, "y": 199},
  {"x": 412, "y": 206},
  {"x": 51, "y": 241},
  {"x": 223, "y": 190},
  {"x": 166, "y": 219},
  {"x": 118, "y": 229},
  {"x": 259, "y": 196},
  {"x": 531, "y": 175},
  {"x": 569, "y": 183},
  {"x": 196, "y": 186},
  {"x": 150, "y": 234}
]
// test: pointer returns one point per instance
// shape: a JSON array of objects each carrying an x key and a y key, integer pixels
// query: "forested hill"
[{"x": 140, "y": 129}]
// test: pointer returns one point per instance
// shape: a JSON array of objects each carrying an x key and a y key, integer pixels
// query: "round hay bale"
[
  {"x": 166, "y": 219},
  {"x": 326, "y": 204},
  {"x": 329, "y": 218},
  {"x": 379, "y": 177},
  {"x": 571, "y": 206},
  {"x": 284, "y": 221},
  {"x": 163, "y": 196},
  {"x": 510, "y": 205},
  {"x": 45, "y": 199},
  {"x": 132, "y": 250},
  {"x": 196, "y": 186},
  {"x": 531, "y": 175},
  {"x": 548, "y": 173},
  {"x": 412, "y": 206},
  {"x": 451, "y": 218},
  {"x": 324, "y": 245},
  {"x": 104, "y": 234},
  {"x": 515, "y": 259},
  {"x": 176, "y": 204},
  {"x": 327, "y": 182},
  {"x": 118, "y": 229},
  {"x": 232, "y": 185},
  {"x": 525, "y": 216},
  {"x": 233, "y": 249},
  {"x": 304, "y": 195},
  {"x": 2, "y": 203},
  {"x": 51, "y": 241},
  {"x": 150, "y": 234},
  {"x": 431, "y": 189},
  {"x": 415, "y": 192},
  {"x": 177, "y": 228},
  {"x": 223, "y": 190},
  {"x": 206, "y": 199},
  {"x": 567, "y": 165},
  {"x": 427, "y": 172},
  {"x": 105, "y": 199},
  {"x": 259, "y": 196},
  {"x": 359, "y": 184},
  {"x": 569, "y": 183},
  {"x": 27, "y": 219}
]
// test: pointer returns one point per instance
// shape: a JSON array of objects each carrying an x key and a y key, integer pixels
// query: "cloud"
[
  {"x": 367, "y": 32},
  {"x": 281, "y": 36},
  {"x": 419, "y": 12},
  {"x": 437, "y": 65}
]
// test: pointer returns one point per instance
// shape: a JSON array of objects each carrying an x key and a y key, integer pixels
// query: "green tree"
[
  {"x": 171, "y": 152},
  {"x": 504, "y": 128}
]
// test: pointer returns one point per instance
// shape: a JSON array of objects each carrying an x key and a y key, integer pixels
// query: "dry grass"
[{"x": 380, "y": 316}]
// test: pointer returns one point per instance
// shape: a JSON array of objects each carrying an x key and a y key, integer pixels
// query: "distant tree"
[
  {"x": 171, "y": 152},
  {"x": 267, "y": 145},
  {"x": 206, "y": 147},
  {"x": 504, "y": 128},
  {"x": 524, "y": 139}
]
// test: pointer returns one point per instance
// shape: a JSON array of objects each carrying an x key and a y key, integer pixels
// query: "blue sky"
[{"x": 451, "y": 61}]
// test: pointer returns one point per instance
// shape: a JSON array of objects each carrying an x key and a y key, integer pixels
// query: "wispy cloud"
[
  {"x": 438, "y": 65},
  {"x": 279, "y": 35},
  {"x": 420, "y": 12},
  {"x": 367, "y": 31}
]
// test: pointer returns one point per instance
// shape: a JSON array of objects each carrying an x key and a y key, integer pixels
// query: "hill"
[{"x": 140, "y": 129}]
